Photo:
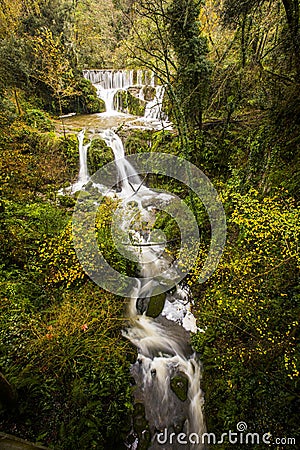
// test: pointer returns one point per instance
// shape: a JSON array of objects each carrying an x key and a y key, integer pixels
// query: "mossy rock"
[
  {"x": 38, "y": 119},
  {"x": 139, "y": 419},
  {"x": 66, "y": 201},
  {"x": 99, "y": 154},
  {"x": 140, "y": 426},
  {"x": 94, "y": 104},
  {"x": 156, "y": 305},
  {"x": 138, "y": 141},
  {"x": 92, "y": 192},
  {"x": 179, "y": 385},
  {"x": 9, "y": 442},
  {"x": 128, "y": 103},
  {"x": 149, "y": 93},
  {"x": 86, "y": 101},
  {"x": 82, "y": 194},
  {"x": 68, "y": 147}
]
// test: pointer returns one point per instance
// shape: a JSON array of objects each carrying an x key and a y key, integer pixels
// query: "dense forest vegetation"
[{"x": 232, "y": 76}]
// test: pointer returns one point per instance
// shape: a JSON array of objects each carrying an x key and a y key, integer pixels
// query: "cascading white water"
[
  {"x": 107, "y": 95},
  {"x": 83, "y": 176},
  {"x": 109, "y": 82},
  {"x": 110, "y": 79},
  {"x": 162, "y": 343},
  {"x": 127, "y": 175},
  {"x": 153, "y": 109}
]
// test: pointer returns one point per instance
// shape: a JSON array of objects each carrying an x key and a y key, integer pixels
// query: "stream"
[{"x": 168, "y": 398}]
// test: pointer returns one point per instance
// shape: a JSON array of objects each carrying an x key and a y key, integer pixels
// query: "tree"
[
  {"x": 234, "y": 10},
  {"x": 52, "y": 67},
  {"x": 191, "y": 79}
]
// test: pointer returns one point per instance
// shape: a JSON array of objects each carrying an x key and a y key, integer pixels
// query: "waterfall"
[
  {"x": 107, "y": 95},
  {"x": 165, "y": 357},
  {"x": 164, "y": 352},
  {"x": 83, "y": 176},
  {"x": 127, "y": 174},
  {"x": 109, "y": 82},
  {"x": 110, "y": 79},
  {"x": 153, "y": 109}
]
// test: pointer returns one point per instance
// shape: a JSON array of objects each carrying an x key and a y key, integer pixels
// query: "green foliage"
[
  {"x": 234, "y": 10},
  {"x": 58, "y": 260},
  {"x": 32, "y": 162},
  {"x": 249, "y": 313},
  {"x": 137, "y": 141},
  {"x": 130, "y": 103},
  {"x": 99, "y": 154},
  {"x": 69, "y": 367},
  {"x": 23, "y": 229},
  {"x": 8, "y": 112},
  {"x": 37, "y": 119},
  {"x": 85, "y": 100},
  {"x": 193, "y": 68},
  {"x": 69, "y": 149},
  {"x": 62, "y": 351},
  {"x": 15, "y": 67},
  {"x": 60, "y": 342}
]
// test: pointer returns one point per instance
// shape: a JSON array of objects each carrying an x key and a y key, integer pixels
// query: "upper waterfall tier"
[{"x": 119, "y": 79}]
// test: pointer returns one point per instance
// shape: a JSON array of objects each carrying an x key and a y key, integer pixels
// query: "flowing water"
[
  {"x": 167, "y": 373},
  {"x": 109, "y": 82},
  {"x": 164, "y": 353},
  {"x": 153, "y": 109},
  {"x": 83, "y": 176}
]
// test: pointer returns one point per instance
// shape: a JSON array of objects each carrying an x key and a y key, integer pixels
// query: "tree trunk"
[
  {"x": 17, "y": 102},
  {"x": 292, "y": 14}
]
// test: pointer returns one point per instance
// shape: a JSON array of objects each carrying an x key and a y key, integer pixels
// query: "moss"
[
  {"x": 86, "y": 101},
  {"x": 179, "y": 385},
  {"x": 140, "y": 426},
  {"x": 99, "y": 154},
  {"x": 66, "y": 201},
  {"x": 149, "y": 93},
  {"x": 130, "y": 104},
  {"x": 156, "y": 305},
  {"x": 137, "y": 141},
  {"x": 38, "y": 119}
]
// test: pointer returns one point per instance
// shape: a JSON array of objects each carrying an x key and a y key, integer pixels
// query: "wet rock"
[
  {"x": 66, "y": 201},
  {"x": 179, "y": 426},
  {"x": 132, "y": 381},
  {"x": 140, "y": 426},
  {"x": 8, "y": 442},
  {"x": 99, "y": 154},
  {"x": 139, "y": 417},
  {"x": 179, "y": 385},
  {"x": 129, "y": 103},
  {"x": 141, "y": 305},
  {"x": 149, "y": 93},
  {"x": 156, "y": 305}
]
